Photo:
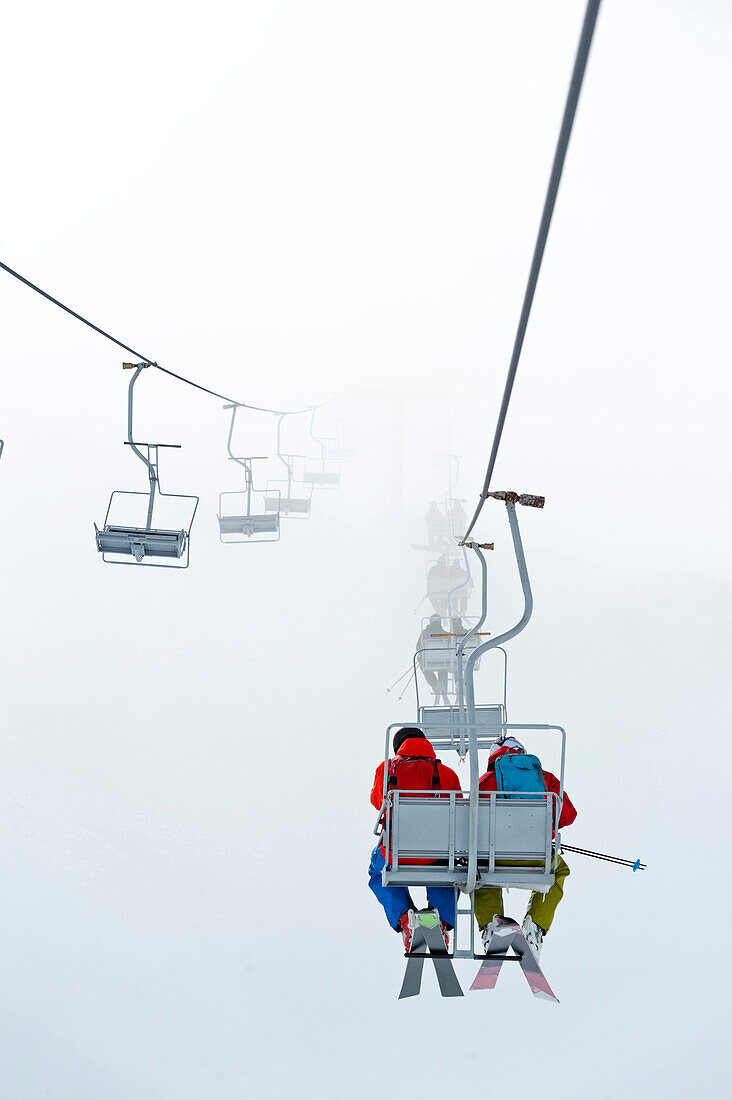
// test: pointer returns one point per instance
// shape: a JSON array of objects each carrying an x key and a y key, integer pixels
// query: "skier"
[
  {"x": 460, "y": 577},
  {"x": 436, "y": 526},
  {"x": 489, "y": 899},
  {"x": 438, "y": 584},
  {"x": 413, "y": 767},
  {"x": 457, "y": 628},
  {"x": 458, "y": 518},
  {"x": 426, "y": 641}
]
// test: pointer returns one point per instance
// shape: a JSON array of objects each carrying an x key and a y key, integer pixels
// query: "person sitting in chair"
[
  {"x": 430, "y": 639},
  {"x": 415, "y": 767},
  {"x": 488, "y": 900}
]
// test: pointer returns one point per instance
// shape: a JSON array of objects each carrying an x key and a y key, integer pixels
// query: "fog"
[{"x": 295, "y": 204}]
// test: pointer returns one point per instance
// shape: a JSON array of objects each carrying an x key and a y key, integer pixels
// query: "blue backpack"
[{"x": 519, "y": 775}]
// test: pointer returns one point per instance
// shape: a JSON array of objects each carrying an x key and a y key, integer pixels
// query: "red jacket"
[
  {"x": 414, "y": 746},
  {"x": 487, "y": 782}
]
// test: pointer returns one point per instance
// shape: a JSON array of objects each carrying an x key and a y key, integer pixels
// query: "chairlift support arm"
[
  {"x": 151, "y": 462},
  {"x": 510, "y": 500}
]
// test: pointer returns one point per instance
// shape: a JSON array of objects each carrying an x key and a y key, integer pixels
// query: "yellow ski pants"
[{"x": 541, "y": 909}]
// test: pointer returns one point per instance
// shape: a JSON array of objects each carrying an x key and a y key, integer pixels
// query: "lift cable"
[
  {"x": 570, "y": 108},
  {"x": 151, "y": 362}
]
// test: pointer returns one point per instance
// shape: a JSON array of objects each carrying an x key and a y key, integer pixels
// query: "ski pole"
[
  {"x": 406, "y": 687},
  {"x": 635, "y": 864},
  {"x": 410, "y": 669}
]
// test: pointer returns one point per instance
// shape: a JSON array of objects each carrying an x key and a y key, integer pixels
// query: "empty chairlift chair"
[
  {"x": 321, "y": 473},
  {"x": 130, "y": 534},
  {"x": 337, "y": 449},
  {"x": 246, "y": 515},
  {"x": 281, "y": 495}
]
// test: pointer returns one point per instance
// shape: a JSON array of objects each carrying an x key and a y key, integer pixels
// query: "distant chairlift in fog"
[
  {"x": 280, "y": 495},
  {"x": 438, "y": 655},
  {"x": 132, "y": 538},
  {"x": 449, "y": 584},
  {"x": 321, "y": 473},
  {"x": 248, "y": 515},
  {"x": 336, "y": 450}
]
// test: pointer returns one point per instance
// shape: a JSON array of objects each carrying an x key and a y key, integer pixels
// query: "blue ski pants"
[{"x": 396, "y": 899}]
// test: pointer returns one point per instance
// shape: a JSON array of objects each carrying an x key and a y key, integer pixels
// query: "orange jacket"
[{"x": 414, "y": 746}]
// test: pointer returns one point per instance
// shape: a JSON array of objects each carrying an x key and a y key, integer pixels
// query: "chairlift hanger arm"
[
  {"x": 138, "y": 368},
  {"x": 484, "y": 647},
  {"x": 240, "y": 461}
]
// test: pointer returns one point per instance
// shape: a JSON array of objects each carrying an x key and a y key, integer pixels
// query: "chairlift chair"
[
  {"x": 143, "y": 543},
  {"x": 336, "y": 450},
  {"x": 244, "y": 515},
  {"x": 438, "y": 652},
  {"x": 438, "y": 655},
  {"x": 321, "y": 473},
  {"x": 470, "y": 840},
  {"x": 449, "y": 584},
  {"x": 279, "y": 496}
]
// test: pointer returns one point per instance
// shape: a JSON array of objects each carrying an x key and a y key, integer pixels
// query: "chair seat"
[
  {"x": 248, "y": 525},
  {"x": 141, "y": 542}
]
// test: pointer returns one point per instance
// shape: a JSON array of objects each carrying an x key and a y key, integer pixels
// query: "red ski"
[
  {"x": 490, "y": 968},
  {"x": 514, "y": 938},
  {"x": 533, "y": 973}
]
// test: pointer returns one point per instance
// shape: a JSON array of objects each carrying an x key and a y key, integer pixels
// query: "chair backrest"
[
  {"x": 437, "y": 830},
  {"x": 489, "y": 719}
]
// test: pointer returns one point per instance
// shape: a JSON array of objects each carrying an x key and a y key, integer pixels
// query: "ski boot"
[
  {"x": 414, "y": 919},
  {"x": 406, "y": 927},
  {"x": 497, "y": 935},
  {"x": 534, "y": 935}
]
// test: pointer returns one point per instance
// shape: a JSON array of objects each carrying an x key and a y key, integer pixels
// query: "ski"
[
  {"x": 427, "y": 936},
  {"x": 446, "y": 976},
  {"x": 490, "y": 967},
  {"x": 533, "y": 973},
  {"x": 412, "y": 982}
]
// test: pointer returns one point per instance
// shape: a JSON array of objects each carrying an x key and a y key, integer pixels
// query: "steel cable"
[
  {"x": 570, "y": 108},
  {"x": 151, "y": 362}
]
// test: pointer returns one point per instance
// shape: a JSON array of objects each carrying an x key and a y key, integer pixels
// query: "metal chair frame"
[
  {"x": 289, "y": 507},
  {"x": 248, "y": 526},
  {"x": 148, "y": 541},
  {"x": 470, "y": 837},
  {"x": 320, "y": 477}
]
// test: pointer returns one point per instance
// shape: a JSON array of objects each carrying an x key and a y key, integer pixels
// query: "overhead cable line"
[
  {"x": 146, "y": 361},
  {"x": 570, "y": 108},
  {"x": 78, "y": 316}
]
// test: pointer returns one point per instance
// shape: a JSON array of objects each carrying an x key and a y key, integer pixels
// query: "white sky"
[{"x": 286, "y": 200}]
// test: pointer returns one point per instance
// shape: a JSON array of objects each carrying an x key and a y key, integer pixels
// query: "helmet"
[{"x": 505, "y": 745}]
